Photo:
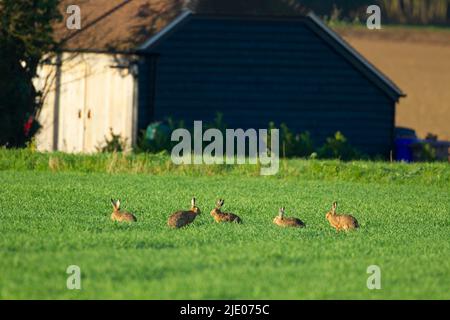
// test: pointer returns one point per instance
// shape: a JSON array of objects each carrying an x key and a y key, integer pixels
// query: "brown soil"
[{"x": 418, "y": 61}]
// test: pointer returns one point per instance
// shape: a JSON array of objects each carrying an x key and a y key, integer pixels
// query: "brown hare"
[
  {"x": 182, "y": 218},
  {"x": 121, "y": 216},
  {"x": 220, "y": 216},
  {"x": 341, "y": 221},
  {"x": 282, "y": 221}
]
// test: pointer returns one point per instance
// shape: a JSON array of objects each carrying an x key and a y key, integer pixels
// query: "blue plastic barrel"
[{"x": 403, "y": 151}]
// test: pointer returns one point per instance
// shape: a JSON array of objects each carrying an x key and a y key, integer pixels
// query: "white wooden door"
[
  {"x": 96, "y": 108},
  {"x": 109, "y": 103},
  {"x": 94, "y": 98},
  {"x": 72, "y": 106}
]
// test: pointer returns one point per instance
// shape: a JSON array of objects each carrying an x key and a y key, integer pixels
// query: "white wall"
[{"x": 93, "y": 98}]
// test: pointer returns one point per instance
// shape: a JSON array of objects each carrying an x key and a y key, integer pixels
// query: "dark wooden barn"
[{"x": 255, "y": 70}]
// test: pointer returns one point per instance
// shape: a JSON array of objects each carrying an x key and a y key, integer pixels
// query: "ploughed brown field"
[{"x": 418, "y": 61}]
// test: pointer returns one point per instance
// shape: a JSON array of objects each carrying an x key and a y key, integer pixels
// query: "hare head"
[
  {"x": 332, "y": 212},
  {"x": 194, "y": 208},
  {"x": 116, "y": 205},
  {"x": 218, "y": 207},
  {"x": 283, "y": 221},
  {"x": 279, "y": 218}
]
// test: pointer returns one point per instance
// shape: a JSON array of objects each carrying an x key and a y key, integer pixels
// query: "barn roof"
[
  {"x": 138, "y": 25},
  {"x": 355, "y": 58},
  {"x": 115, "y": 25}
]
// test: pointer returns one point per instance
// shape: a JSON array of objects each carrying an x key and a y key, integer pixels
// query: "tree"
[
  {"x": 394, "y": 11},
  {"x": 417, "y": 11},
  {"x": 26, "y": 35}
]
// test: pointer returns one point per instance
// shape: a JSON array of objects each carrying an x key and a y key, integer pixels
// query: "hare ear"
[
  {"x": 333, "y": 207},
  {"x": 193, "y": 202},
  {"x": 113, "y": 203},
  {"x": 118, "y": 204},
  {"x": 219, "y": 203},
  {"x": 222, "y": 202}
]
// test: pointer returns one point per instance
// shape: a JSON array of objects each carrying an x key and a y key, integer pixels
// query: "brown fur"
[
  {"x": 182, "y": 218},
  {"x": 282, "y": 221},
  {"x": 121, "y": 216},
  {"x": 220, "y": 216},
  {"x": 341, "y": 221}
]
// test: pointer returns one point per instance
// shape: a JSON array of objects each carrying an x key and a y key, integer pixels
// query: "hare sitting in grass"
[
  {"x": 282, "y": 221},
  {"x": 182, "y": 218},
  {"x": 220, "y": 216},
  {"x": 121, "y": 216},
  {"x": 341, "y": 221}
]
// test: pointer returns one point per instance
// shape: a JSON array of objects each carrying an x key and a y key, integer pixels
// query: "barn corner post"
[
  {"x": 136, "y": 72},
  {"x": 56, "y": 105},
  {"x": 145, "y": 86},
  {"x": 135, "y": 106},
  {"x": 391, "y": 151}
]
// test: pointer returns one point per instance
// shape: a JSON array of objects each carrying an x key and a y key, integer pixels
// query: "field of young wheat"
[{"x": 55, "y": 212}]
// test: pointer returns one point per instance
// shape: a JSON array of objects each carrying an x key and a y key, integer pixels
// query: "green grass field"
[{"x": 52, "y": 218}]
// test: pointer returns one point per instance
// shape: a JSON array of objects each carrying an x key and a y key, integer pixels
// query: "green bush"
[
  {"x": 295, "y": 145},
  {"x": 157, "y": 138},
  {"x": 116, "y": 143},
  {"x": 424, "y": 151},
  {"x": 337, "y": 147}
]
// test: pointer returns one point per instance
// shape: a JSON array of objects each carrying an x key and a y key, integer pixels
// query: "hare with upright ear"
[
  {"x": 220, "y": 216},
  {"x": 341, "y": 221},
  {"x": 283, "y": 221},
  {"x": 182, "y": 218},
  {"x": 121, "y": 216}
]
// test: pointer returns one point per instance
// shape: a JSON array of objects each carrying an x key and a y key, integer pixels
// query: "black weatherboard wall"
[{"x": 257, "y": 70}]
